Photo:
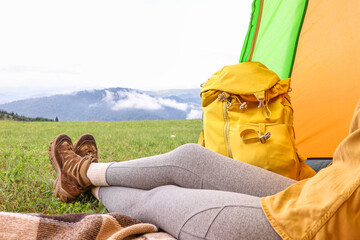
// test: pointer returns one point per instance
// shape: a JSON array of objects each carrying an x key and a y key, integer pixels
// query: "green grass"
[{"x": 27, "y": 177}]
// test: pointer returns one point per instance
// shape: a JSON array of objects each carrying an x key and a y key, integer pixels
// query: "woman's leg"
[
  {"x": 184, "y": 212},
  {"x": 190, "y": 166},
  {"x": 192, "y": 213}
]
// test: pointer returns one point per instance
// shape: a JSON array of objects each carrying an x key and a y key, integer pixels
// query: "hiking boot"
[
  {"x": 71, "y": 180},
  {"x": 86, "y": 145}
]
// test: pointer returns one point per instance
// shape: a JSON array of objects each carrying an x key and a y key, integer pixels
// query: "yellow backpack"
[{"x": 247, "y": 115}]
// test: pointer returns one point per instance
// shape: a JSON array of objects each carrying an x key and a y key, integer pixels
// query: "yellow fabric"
[
  {"x": 236, "y": 78},
  {"x": 325, "y": 76},
  {"x": 249, "y": 98},
  {"x": 326, "y": 206},
  {"x": 201, "y": 140}
]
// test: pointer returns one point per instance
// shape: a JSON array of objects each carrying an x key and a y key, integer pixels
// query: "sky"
[{"x": 56, "y": 46}]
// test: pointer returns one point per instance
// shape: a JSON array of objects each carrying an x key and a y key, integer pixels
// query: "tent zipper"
[{"x": 257, "y": 27}]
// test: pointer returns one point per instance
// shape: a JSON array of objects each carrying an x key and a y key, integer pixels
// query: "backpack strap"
[
  {"x": 245, "y": 136},
  {"x": 263, "y": 104}
]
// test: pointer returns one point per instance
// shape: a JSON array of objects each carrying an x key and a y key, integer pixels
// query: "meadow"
[{"x": 27, "y": 177}]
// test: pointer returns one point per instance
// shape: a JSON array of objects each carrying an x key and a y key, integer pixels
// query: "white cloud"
[
  {"x": 137, "y": 101},
  {"x": 109, "y": 97},
  {"x": 173, "y": 104},
  {"x": 132, "y": 99},
  {"x": 194, "y": 114},
  {"x": 93, "y": 105}
]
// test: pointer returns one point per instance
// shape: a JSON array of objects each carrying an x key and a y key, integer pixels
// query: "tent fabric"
[
  {"x": 325, "y": 77},
  {"x": 273, "y": 33},
  {"x": 316, "y": 43},
  {"x": 249, "y": 39}
]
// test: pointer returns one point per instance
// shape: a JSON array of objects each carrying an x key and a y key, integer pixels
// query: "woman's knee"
[
  {"x": 192, "y": 149},
  {"x": 189, "y": 147},
  {"x": 189, "y": 153}
]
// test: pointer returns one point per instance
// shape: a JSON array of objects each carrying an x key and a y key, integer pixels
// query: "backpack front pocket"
[{"x": 268, "y": 146}]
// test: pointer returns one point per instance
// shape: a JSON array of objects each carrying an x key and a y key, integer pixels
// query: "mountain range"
[{"x": 112, "y": 104}]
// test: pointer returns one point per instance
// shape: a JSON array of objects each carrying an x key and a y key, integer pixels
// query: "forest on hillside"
[{"x": 16, "y": 117}]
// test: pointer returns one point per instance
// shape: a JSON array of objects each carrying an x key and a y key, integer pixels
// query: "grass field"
[{"x": 26, "y": 175}]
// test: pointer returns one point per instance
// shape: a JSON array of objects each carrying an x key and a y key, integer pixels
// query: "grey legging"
[{"x": 194, "y": 193}]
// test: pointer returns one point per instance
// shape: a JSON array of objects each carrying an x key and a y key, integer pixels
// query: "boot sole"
[{"x": 59, "y": 192}]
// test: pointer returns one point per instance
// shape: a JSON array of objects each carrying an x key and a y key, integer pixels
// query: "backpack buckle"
[
  {"x": 261, "y": 103},
  {"x": 243, "y": 106},
  {"x": 222, "y": 97},
  {"x": 229, "y": 104},
  {"x": 265, "y": 137}
]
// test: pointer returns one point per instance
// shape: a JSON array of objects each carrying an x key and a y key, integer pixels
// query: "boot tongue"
[
  {"x": 66, "y": 151},
  {"x": 65, "y": 145},
  {"x": 87, "y": 149}
]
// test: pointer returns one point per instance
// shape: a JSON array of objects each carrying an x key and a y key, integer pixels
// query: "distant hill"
[
  {"x": 187, "y": 95},
  {"x": 16, "y": 117},
  {"x": 112, "y": 104}
]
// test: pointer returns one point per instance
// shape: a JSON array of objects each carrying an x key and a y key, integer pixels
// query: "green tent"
[{"x": 316, "y": 43}]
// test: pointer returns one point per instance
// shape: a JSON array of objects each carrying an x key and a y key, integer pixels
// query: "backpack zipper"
[{"x": 226, "y": 105}]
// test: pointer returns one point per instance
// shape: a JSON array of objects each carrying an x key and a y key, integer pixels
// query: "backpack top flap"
[{"x": 242, "y": 79}]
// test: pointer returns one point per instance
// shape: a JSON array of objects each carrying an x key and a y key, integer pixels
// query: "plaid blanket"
[{"x": 77, "y": 226}]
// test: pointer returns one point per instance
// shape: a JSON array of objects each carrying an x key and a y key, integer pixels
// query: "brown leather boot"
[
  {"x": 71, "y": 180},
  {"x": 86, "y": 145}
]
